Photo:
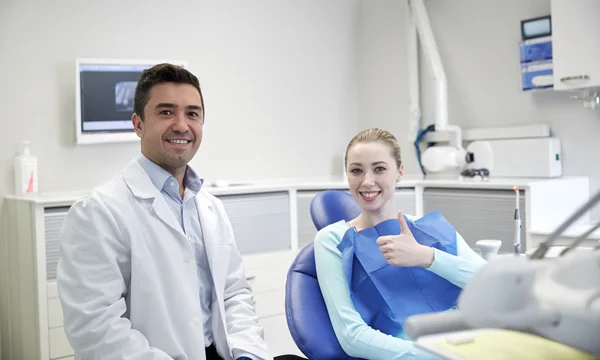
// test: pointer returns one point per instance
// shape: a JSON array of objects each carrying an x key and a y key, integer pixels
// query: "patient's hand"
[{"x": 403, "y": 249}]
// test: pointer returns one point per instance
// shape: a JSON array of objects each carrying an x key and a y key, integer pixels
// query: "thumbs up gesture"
[{"x": 404, "y": 250}]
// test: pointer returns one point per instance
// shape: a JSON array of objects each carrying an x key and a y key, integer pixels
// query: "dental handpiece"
[{"x": 517, "y": 218}]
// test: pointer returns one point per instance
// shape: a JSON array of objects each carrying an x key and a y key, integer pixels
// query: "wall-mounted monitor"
[{"x": 104, "y": 92}]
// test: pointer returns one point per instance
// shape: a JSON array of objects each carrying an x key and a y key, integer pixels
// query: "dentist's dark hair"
[
  {"x": 376, "y": 135},
  {"x": 158, "y": 74}
]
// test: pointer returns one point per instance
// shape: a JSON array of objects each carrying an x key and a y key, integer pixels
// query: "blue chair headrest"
[{"x": 331, "y": 206}]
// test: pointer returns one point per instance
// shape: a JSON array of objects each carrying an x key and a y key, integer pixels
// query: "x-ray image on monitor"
[{"x": 124, "y": 94}]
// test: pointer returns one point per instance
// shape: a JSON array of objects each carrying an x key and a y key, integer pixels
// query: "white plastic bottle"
[{"x": 26, "y": 174}]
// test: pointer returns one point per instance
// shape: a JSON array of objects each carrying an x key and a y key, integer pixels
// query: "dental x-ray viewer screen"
[{"x": 105, "y": 94}]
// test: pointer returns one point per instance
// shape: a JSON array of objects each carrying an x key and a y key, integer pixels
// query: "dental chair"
[{"x": 305, "y": 310}]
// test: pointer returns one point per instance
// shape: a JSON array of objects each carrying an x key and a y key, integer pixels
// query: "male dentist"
[{"x": 148, "y": 267}]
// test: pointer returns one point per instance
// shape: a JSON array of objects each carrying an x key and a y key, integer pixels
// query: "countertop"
[{"x": 283, "y": 185}]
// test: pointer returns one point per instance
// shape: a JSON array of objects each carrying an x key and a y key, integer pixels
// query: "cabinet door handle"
[{"x": 576, "y": 77}]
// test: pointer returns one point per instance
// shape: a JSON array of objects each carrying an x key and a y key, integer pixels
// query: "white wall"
[
  {"x": 478, "y": 43},
  {"x": 383, "y": 77},
  {"x": 278, "y": 76}
]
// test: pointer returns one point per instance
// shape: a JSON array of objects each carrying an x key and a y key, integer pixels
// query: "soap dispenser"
[{"x": 26, "y": 174}]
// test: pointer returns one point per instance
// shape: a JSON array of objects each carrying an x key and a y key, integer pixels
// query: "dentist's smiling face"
[
  {"x": 171, "y": 128},
  {"x": 372, "y": 176}
]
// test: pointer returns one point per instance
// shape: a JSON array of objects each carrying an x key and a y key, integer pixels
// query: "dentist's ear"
[{"x": 137, "y": 121}]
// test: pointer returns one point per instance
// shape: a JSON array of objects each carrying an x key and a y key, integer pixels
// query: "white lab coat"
[{"x": 127, "y": 277}]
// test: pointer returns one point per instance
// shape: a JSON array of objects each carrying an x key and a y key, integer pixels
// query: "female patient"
[{"x": 383, "y": 266}]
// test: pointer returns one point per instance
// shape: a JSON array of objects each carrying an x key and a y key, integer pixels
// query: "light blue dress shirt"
[{"x": 186, "y": 213}]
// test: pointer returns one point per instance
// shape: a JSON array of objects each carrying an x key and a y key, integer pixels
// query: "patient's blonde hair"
[{"x": 376, "y": 135}]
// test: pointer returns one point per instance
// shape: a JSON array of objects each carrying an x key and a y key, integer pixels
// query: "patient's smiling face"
[{"x": 372, "y": 175}]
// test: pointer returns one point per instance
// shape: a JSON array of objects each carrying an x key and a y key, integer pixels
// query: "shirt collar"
[
  {"x": 160, "y": 176},
  {"x": 192, "y": 181}
]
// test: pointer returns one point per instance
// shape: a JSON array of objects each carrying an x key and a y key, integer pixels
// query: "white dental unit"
[
  {"x": 521, "y": 151},
  {"x": 517, "y": 306}
]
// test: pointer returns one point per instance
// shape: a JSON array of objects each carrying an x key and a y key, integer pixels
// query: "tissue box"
[
  {"x": 537, "y": 75},
  {"x": 536, "y": 49}
]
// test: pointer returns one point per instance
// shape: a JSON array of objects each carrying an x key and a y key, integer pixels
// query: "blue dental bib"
[{"x": 386, "y": 295}]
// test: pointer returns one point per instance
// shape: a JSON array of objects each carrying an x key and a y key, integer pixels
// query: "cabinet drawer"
[
  {"x": 51, "y": 289},
  {"x": 55, "y": 314},
  {"x": 306, "y": 228},
  {"x": 270, "y": 260},
  {"x": 53, "y": 221},
  {"x": 260, "y": 222},
  {"x": 479, "y": 214},
  {"x": 59, "y": 345},
  {"x": 270, "y": 303},
  {"x": 278, "y": 337},
  {"x": 268, "y": 279},
  {"x": 405, "y": 201}
]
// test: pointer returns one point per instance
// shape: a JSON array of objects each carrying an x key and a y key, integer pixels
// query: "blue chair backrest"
[{"x": 306, "y": 313}]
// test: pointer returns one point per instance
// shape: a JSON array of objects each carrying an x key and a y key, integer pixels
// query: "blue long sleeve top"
[{"x": 356, "y": 338}]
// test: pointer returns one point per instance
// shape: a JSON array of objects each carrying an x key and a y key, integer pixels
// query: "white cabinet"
[
  {"x": 260, "y": 222},
  {"x": 485, "y": 210},
  {"x": 406, "y": 201},
  {"x": 25, "y": 327},
  {"x": 268, "y": 273},
  {"x": 32, "y": 319},
  {"x": 306, "y": 228},
  {"x": 267, "y": 224},
  {"x": 576, "y": 43},
  {"x": 57, "y": 339}
]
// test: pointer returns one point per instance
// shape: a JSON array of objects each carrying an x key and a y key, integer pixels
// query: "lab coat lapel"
[
  {"x": 208, "y": 223},
  {"x": 142, "y": 187},
  {"x": 218, "y": 255},
  {"x": 164, "y": 213}
]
